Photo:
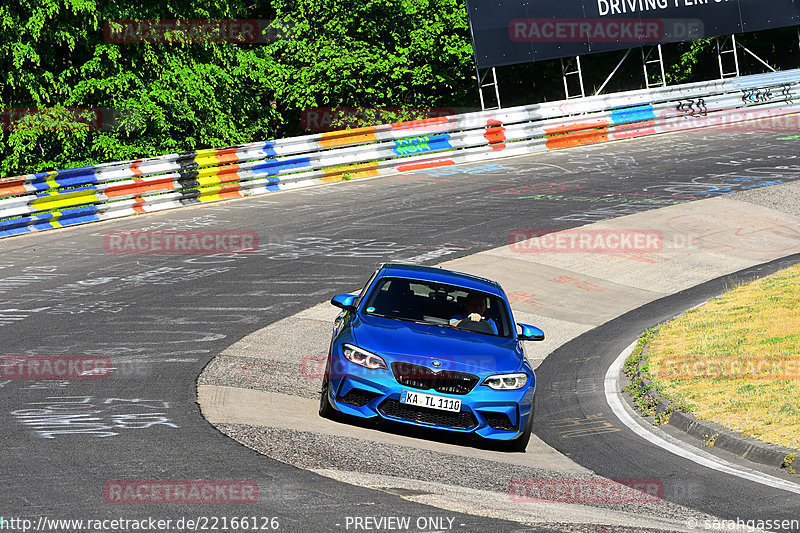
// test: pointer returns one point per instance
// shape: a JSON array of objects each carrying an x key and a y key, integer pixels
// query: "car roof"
[{"x": 440, "y": 275}]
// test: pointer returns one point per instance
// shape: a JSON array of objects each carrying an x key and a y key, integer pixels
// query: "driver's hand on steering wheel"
[{"x": 475, "y": 317}]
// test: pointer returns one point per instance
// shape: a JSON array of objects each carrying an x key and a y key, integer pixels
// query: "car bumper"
[{"x": 490, "y": 414}]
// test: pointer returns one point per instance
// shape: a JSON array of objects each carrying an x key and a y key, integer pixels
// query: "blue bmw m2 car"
[{"x": 433, "y": 348}]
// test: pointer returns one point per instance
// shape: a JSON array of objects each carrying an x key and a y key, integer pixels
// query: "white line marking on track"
[
  {"x": 270, "y": 308},
  {"x": 627, "y": 416}
]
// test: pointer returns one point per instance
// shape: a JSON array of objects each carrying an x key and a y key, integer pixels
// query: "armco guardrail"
[{"x": 74, "y": 196}]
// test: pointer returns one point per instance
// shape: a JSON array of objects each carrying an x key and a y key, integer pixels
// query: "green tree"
[
  {"x": 178, "y": 96},
  {"x": 162, "y": 97},
  {"x": 393, "y": 53}
]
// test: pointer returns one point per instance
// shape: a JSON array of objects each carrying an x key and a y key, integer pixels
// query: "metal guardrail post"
[
  {"x": 753, "y": 54},
  {"x": 721, "y": 51},
  {"x": 660, "y": 61},
  {"x": 608, "y": 79},
  {"x": 565, "y": 73},
  {"x": 493, "y": 83}
]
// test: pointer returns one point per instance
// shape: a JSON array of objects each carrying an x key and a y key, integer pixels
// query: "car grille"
[
  {"x": 498, "y": 421},
  {"x": 357, "y": 397},
  {"x": 422, "y": 415},
  {"x": 446, "y": 381}
]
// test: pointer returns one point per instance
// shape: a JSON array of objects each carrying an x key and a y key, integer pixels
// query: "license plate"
[{"x": 430, "y": 401}]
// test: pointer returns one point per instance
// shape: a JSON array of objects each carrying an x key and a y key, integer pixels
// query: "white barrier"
[{"x": 53, "y": 199}]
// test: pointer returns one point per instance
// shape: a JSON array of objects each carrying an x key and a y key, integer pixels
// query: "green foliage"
[
  {"x": 375, "y": 53},
  {"x": 687, "y": 57},
  {"x": 158, "y": 97},
  {"x": 631, "y": 366},
  {"x": 646, "y": 394},
  {"x": 787, "y": 462},
  {"x": 178, "y": 96}
]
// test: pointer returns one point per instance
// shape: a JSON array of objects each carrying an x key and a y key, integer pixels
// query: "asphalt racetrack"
[{"x": 161, "y": 318}]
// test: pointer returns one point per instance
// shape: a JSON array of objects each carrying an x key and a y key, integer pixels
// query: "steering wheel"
[{"x": 482, "y": 326}]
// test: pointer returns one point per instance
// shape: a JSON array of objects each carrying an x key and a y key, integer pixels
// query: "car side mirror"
[
  {"x": 344, "y": 301},
  {"x": 530, "y": 333}
]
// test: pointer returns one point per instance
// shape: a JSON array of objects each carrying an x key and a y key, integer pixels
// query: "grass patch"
[
  {"x": 737, "y": 359},
  {"x": 787, "y": 462},
  {"x": 646, "y": 396}
]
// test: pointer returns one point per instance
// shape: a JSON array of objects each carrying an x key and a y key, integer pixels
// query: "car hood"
[{"x": 458, "y": 350}]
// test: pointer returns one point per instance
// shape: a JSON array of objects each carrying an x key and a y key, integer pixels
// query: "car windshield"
[{"x": 439, "y": 304}]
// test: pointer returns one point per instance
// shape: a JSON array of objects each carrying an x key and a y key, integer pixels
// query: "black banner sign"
[{"x": 506, "y": 32}]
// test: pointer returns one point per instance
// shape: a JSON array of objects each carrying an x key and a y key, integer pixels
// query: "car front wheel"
[
  {"x": 520, "y": 444},
  {"x": 326, "y": 410}
]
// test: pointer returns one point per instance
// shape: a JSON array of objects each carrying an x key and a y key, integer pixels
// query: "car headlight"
[
  {"x": 506, "y": 381},
  {"x": 356, "y": 355}
]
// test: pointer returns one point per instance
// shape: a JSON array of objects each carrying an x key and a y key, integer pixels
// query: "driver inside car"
[{"x": 474, "y": 308}]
